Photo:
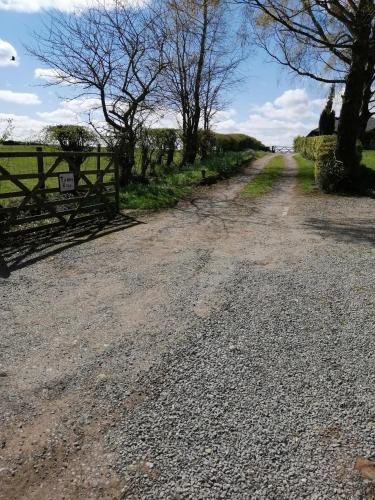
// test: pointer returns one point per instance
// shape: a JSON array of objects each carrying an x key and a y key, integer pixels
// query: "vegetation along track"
[{"x": 212, "y": 350}]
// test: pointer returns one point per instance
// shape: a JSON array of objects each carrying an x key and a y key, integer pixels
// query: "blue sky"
[{"x": 270, "y": 104}]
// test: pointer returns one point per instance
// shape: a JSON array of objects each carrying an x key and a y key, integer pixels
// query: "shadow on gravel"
[
  {"x": 19, "y": 253},
  {"x": 356, "y": 231}
]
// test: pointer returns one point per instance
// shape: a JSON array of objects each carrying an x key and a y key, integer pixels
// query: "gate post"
[
  {"x": 117, "y": 181},
  {"x": 40, "y": 161}
]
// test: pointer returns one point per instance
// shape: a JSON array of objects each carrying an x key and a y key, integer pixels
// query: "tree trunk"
[
  {"x": 144, "y": 162},
  {"x": 190, "y": 147},
  {"x": 349, "y": 124},
  {"x": 170, "y": 155},
  {"x": 126, "y": 153}
]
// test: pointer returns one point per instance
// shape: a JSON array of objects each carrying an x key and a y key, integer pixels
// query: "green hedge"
[
  {"x": 329, "y": 172},
  {"x": 312, "y": 147},
  {"x": 237, "y": 142}
]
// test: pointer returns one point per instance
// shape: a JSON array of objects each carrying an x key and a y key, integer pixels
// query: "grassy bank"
[
  {"x": 305, "y": 174},
  {"x": 174, "y": 184},
  {"x": 306, "y": 177},
  {"x": 368, "y": 159},
  {"x": 265, "y": 180}
]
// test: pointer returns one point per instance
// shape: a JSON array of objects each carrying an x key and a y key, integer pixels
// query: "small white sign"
[{"x": 66, "y": 182}]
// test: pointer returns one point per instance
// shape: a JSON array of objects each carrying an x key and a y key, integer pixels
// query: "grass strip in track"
[
  {"x": 265, "y": 180},
  {"x": 305, "y": 174}
]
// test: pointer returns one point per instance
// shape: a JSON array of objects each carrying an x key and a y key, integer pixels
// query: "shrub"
[
  {"x": 321, "y": 149},
  {"x": 311, "y": 147},
  {"x": 329, "y": 172}
]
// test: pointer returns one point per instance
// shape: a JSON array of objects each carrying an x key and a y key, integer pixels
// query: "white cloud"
[
  {"x": 47, "y": 74},
  {"x": 58, "y": 116},
  {"x": 37, "y": 5},
  {"x": 19, "y": 97},
  {"x": 82, "y": 105},
  {"x": 292, "y": 98},
  {"x": 50, "y": 75},
  {"x": 7, "y": 51},
  {"x": 278, "y": 122},
  {"x": 31, "y": 6}
]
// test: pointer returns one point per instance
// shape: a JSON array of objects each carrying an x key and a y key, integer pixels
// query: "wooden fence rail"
[{"x": 55, "y": 189}]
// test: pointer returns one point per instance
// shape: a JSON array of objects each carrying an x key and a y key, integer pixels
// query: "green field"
[
  {"x": 368, "y": 159},
  {"x": 29, "y": 166}
]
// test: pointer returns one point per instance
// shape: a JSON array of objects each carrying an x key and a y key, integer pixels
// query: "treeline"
[
  {"x": 237, "y": 142},
  {"x": 155, "y": 147},
  {"x": 179, "y": 56}
]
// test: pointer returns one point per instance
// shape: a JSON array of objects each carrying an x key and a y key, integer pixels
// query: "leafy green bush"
[{"x": 329, "y": 172}]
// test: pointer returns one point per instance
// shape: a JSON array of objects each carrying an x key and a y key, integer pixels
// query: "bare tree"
[
  {"x": 6, "y": 130},
  {"x": 114, "y": 54},
  {"x": 200, "y": 65},
  {"x": 326, "y": 35}
]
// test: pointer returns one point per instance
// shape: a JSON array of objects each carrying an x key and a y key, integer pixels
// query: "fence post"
[
  {"x": 117, "y": 181},
  {"x": 40, "y": 161}
]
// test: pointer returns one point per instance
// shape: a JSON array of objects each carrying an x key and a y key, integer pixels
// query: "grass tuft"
[
  {"x": 305, "y": 174},
  {"x": 265, "y": 180}
]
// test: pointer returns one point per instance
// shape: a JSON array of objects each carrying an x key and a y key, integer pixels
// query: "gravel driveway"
[{"x": 220, "y": 349}]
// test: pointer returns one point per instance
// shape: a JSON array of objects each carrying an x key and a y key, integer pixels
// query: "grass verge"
[
  {"x": 265, "y": 180},
  {"x": 305, "y": 174},
  {"x": 368, "y": 159},
  {"x": 174, "y": 184}
]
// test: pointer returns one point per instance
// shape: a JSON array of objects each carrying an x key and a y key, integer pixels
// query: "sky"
[{"x": 270, "y": 104}]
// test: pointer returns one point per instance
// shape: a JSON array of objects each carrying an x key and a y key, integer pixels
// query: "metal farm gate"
[
  {"x": 54, "y": 189},
  {"x": 282, "y": 149}
]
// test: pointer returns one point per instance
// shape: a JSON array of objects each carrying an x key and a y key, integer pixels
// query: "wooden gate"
[{"x": 40, "y": 190}]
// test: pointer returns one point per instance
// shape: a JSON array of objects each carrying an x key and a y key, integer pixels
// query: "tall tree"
[
  {"x": 188, "y": 25},
  {"x": 327, "y": 118},
  {"x": 115, "y": 55},
  {"x": 202, "y": 61}
]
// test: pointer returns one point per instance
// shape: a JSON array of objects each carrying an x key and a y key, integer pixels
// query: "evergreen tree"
[{"x": 327, "y": 118}]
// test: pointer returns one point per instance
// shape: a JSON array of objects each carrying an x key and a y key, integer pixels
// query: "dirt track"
[{"x": 81, "y": 328}]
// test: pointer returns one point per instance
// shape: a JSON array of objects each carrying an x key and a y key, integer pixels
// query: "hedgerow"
[{"x": 329, "y": 172}]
